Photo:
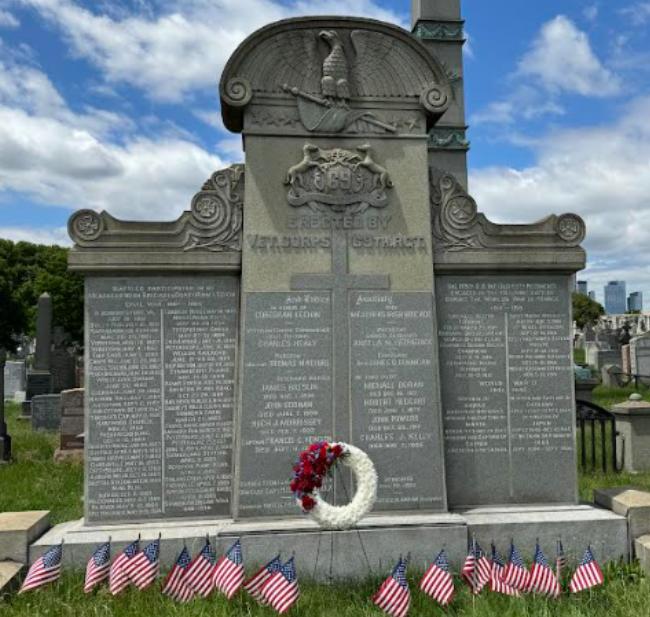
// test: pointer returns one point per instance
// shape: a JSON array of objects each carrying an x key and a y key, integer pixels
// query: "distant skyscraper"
[
  {"x": 582, "y": 287},
  {"x": 615, "y": 298},
  {"x": 635, "y": 301},
  {"x": 592, "y": 295}
]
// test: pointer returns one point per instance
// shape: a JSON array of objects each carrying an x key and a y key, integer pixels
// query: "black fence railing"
[
  {"x": 597, "y": 428},
  {"x": 625, "y": 380}
]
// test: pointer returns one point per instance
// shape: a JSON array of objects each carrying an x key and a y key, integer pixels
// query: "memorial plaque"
[
  {"x": 394, "y": 390},
  {"x": 72, "y": 419},
  {"x": 161, "y": 357},
  {"x": 288, "y": 362},
  {"x": 507, "y": 389},
  {"x": 46, "y": 412}
]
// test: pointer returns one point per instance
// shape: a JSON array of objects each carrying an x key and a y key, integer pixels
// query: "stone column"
[
  {"x": 438, "y": 24},
  {"x": 43, "y": 358},
  {"x": 5, "y": 439}
]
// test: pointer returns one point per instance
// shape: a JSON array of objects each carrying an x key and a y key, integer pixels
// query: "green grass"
[
  {"x": 625, "y": 594},
  {"x": 34, "y": 481},
  {"x": 608, "y": 397},
  {"x": 579, "y": 356}
]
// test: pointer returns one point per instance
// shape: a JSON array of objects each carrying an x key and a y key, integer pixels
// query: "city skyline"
[{"x": 618, "y": 295}]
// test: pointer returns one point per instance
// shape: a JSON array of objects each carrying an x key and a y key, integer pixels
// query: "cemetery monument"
[{"x": 340, "y": 284}]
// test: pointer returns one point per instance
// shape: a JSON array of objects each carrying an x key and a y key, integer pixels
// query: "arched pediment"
[{"x": 333, "y": 60}]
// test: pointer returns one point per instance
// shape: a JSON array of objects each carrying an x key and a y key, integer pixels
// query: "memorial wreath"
[{"x": 314, "y": 464}]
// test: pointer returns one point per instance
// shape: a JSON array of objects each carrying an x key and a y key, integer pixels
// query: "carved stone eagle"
[{"x": 336, "y": 74}]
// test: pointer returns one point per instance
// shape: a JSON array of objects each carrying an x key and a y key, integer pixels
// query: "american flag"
[
  {"x": 561, "y": 561},
  {"x": 175, "y": 586},
  {"x": 438, "y": 581},
  {"x": 394, "y": 596},
  {"x": 199, "y": 574},
  {"x": 98, "y": 568},
  {"x": 118, "y": 579},
  {"x": 229, "y": 571},
  {"x": 588, "y": 574},
  {"x": 144, "y": 568},
  {"x": 281, "y": 591},
  {"x": 476, "y": 569},
  {"x": 255, "y": 584},
  {"x": 46, "y": 569},
  {"x": 542, "y": 577},
  {"x": 497, "y": 576},
  {"x": 517, "y": 575}
]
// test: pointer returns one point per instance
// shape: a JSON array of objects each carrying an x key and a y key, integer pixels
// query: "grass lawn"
[
  {"x": 625, "y": 594},
  {"x": 35, "y": 482}
]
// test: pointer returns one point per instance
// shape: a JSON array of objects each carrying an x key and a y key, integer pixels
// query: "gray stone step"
[
  {"x": 18, "y": 530},
  {"x": 9, "y": 571}
]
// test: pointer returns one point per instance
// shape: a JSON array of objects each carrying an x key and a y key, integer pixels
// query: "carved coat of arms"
[{"x": 338, "y": 181}]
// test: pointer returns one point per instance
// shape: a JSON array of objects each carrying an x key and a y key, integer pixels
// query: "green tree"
[
  {"x": 586, "y": 310},
  {"x": 26, "y": 271}
]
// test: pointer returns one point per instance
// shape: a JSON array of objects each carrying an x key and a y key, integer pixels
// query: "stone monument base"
[{"x": 383, "y": 538}]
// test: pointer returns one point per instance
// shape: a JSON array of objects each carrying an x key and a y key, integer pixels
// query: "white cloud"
[
  {"x": 57, "y": 235},
  {"x": 601, "y": 173},
  {"x": 7, "y": 20},
  {"x": 561, "y": 59},
  {"x": 170, "y": 55},
  {"x": 59, "y": 157},
  {"x": 590, "y": 12},
  {"x": 639, "y": 13}
]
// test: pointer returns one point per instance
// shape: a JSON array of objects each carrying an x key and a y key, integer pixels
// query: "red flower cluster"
[{"x": 312, "y": 466}]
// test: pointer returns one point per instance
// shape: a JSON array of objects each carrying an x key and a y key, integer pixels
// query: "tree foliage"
[
  {"x": 26, "y": 271},
  {"x": 586, "y": 310}
]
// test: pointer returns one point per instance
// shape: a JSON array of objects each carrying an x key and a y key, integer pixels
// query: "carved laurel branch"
[
  {"x": 453, "y": 215},
  {"x": 217, "y": 214}
]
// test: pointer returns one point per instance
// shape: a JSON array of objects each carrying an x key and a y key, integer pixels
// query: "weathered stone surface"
[
  {"x": 507, "y": 389},
  {"x": 633, "y": 425},
  {"x": 46, "y": 412},
  {"x": 9, "y": 571},
  {"x": 14, "y": 375},
  {"x": 626, "y": 360},
  {"x": 640, "y": 355},
  {"x": 160, "y": 396},
  {"x": 18, "y": 530},
  {"x": 609, "y": 374},
  {"x": 42, "y": 361},
  {"x": 642, "y": 550},
  {"x": 632, "y": 503},
  {"x": 72, "y": 419}
]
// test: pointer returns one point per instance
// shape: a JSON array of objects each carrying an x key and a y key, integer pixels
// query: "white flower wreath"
[{"x": 344, "y": 517}]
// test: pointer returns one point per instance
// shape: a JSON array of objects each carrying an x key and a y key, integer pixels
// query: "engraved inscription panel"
[
  {"x": 395, "y": 410},
  {"x": 287, "y": 394},
  {"x": 160, "y": 386},
  {"x": 507, "y": 389}
]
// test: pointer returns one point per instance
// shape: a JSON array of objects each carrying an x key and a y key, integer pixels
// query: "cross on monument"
[{"x": 340, "y": 282}]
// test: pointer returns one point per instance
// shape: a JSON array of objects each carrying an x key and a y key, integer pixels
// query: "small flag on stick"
[
  {"x": 561, "y": 561},
  {"x": 497, "y": 576},
  {"x": 118, "y": 579},
  {"x": 517, "y": 575},
  {"x": 542, "y": 577},
  {"x": 255, "y": 584},
  {"x": 144, "y": 568},
  {"x": 587, "y": 575},
  {"x": 438, "y": 581},
  {"x": 281, "y": 591},
  {"x": 394, "y": 596},
  {"x": 99, "y": 567},
  {"x": 46, "y": 569},
  {"x": 199, "y": 575},
  {"x": 176, "y": 586},
  {"x": 476, "y": 569},
  {"x": 229, "y": 571}
]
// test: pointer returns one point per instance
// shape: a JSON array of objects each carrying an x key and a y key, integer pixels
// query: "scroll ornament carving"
[
  {"x": 85, "y": 225},
  {"x": 217, "y": 215},
  {"x": 453, "y": 215}
]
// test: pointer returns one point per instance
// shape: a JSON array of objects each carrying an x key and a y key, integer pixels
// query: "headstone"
[
  {"x": 46, "y": 412},
  {"x": 62, "y": 362},
  {"x": 39, "y": 378},
  {"x": 626, "y": 360},
  {"x": 5, "y": 439},
  {"x": 14, "y": 375},
  {"x": 72, "y": 419},
  {"x": 640, "y": 355},
  {"x": 610, "y": 375},
  {"x": 160, "y": 388}
]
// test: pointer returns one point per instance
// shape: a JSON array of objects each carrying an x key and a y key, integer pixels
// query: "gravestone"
[
  {"x": 39, "y": 377},
  {"x": 626, "y": 359},
  {"x": 46, "y": 412},
  {"x": 378, "y": 307},
  {"x": 14, "y": 375},
  {"x": 640, "y": 355},
  {"x": 62, "y": 362},
  {"x": 5, "y": 438},
  {"x": 72, "y": 419}
]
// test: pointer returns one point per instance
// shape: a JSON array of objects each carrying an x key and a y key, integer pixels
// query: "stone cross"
[
  {"x": 43, "y": 359},
  {"x": 340, "y": 282}
]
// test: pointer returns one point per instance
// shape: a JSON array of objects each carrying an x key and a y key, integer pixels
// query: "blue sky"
[{"x": 112, "y": 105}]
